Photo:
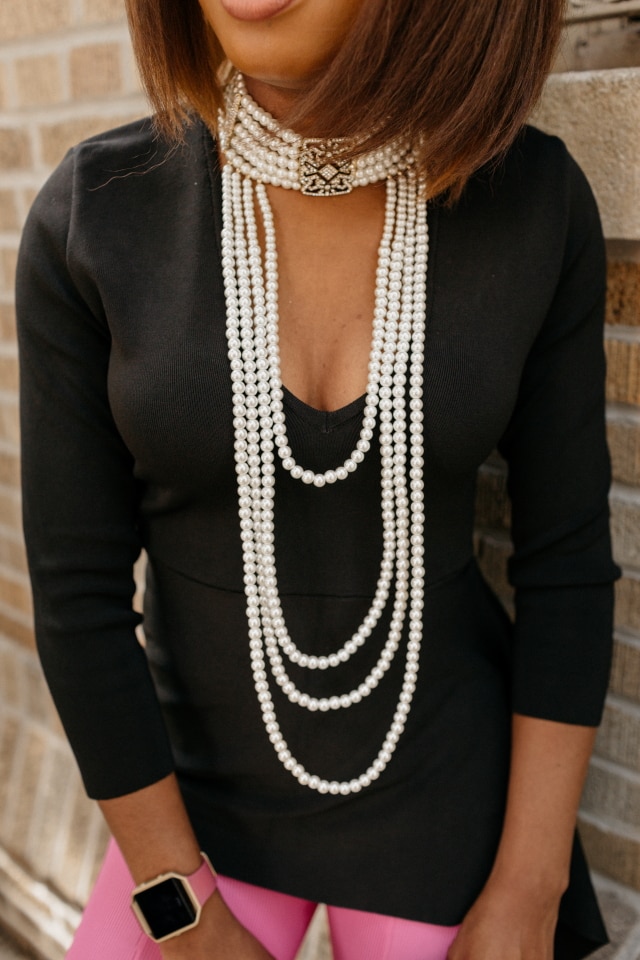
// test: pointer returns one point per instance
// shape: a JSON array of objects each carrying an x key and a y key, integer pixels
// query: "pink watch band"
[{"x": 204, "y": 881}]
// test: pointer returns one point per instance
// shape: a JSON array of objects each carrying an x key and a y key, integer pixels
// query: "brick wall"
[
  {"x": 66, "y": 72},
  {"x": 610, "y": 818},
  {"x": 612, "y": 799},
  {"x": 598, "y": 115}
]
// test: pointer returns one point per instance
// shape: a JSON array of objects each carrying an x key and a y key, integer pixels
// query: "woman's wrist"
[
  {"x": 549, "y": 761},
  {"x": 545, "y": 883},
  {"x": 153, "y": 831}
]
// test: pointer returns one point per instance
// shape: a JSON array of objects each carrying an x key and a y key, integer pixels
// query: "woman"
[{"x": 332, "y": 705}]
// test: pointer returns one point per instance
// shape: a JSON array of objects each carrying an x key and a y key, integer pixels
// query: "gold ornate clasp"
[{"x": 322, "y": 172}]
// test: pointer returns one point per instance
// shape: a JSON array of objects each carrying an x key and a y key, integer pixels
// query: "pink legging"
[{"x": 109, "y": 930}]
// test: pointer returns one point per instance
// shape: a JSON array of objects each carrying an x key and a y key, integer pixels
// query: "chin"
[
  {"x": 288, "y": 50},
  {"x": 287, "y": 73}
]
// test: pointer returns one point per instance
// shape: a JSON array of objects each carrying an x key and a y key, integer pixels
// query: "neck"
[{"x": 278, "y": 101}]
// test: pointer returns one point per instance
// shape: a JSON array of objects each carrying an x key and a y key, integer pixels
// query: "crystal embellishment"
[{"x": 321, "y": 174}]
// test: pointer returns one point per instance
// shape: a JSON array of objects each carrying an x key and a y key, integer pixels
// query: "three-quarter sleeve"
[
  {"x": 559, "y": 476},
  {"x": 80, "y": 510}
]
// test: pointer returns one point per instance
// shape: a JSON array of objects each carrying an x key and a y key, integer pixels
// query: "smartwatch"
[{"x": 172, "y": 903}]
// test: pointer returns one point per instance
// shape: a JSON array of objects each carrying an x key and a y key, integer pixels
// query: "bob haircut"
[{"x": 459, "y": 77}]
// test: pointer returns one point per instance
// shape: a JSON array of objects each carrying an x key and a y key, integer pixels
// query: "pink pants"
[{"x": 109, "y": 930}]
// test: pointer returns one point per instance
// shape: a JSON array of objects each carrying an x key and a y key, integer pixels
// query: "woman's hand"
[
  {"x": 218, "y": 936},
  {"x": 515, "y": 916},
  {"x": 155, "y": 836},
  {"x": 507, "y": 923}
]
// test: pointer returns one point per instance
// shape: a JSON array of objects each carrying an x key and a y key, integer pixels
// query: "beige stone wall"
[{"x": 66, "y": 72}]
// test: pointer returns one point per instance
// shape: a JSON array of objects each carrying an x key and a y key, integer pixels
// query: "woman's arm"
[
  {"x": 562, "y": 571},
  {"x": 153, "y": 831},
  {"x": 515, "y": 916},
  {"x": 80, "y": 513}
]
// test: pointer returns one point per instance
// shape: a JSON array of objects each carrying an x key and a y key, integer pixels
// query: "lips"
[{"x": 254, "y": 9}]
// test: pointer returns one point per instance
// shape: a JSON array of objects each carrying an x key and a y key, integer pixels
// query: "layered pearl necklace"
[{"x": 258, "y": 152}]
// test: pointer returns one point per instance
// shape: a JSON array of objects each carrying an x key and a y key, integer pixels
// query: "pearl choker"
[
  {"x": 256, "y": 145},
  {"x": 257, "y": 152}
]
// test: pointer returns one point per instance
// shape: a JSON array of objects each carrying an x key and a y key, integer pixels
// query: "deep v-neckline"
[{"x": 325, "y": 421}]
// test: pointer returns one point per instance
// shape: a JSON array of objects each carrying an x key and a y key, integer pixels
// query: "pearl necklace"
[
  {"x": 256, "y": 144},
  {"x": 251, "y": 294}
]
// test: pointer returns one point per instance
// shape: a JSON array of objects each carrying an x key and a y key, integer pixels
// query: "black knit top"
[{"x": 128, "y": 444}]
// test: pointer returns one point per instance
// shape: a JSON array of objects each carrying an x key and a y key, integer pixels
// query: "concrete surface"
[
  {"x": 597, "y": 114},
  {"x": 10, "y": 951},
  {"x": 621, "y": 910}
]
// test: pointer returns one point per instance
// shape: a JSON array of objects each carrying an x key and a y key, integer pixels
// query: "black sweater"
[{"x": 128, "y": 443}]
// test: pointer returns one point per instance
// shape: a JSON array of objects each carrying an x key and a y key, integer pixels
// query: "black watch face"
[{"x": 166, "y": 907}]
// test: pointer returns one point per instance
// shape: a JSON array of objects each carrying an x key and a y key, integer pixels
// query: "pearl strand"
[
  {"x": 382, "y": 357},
  {"x": 257, "y": 394},
  {"x": 256, "y": 145},
  {"x": 384, "y": 580},
  {"x": 386, "y": 308}
]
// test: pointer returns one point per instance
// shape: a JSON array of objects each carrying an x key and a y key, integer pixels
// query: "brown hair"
[{"x": 458, "y": 76}]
